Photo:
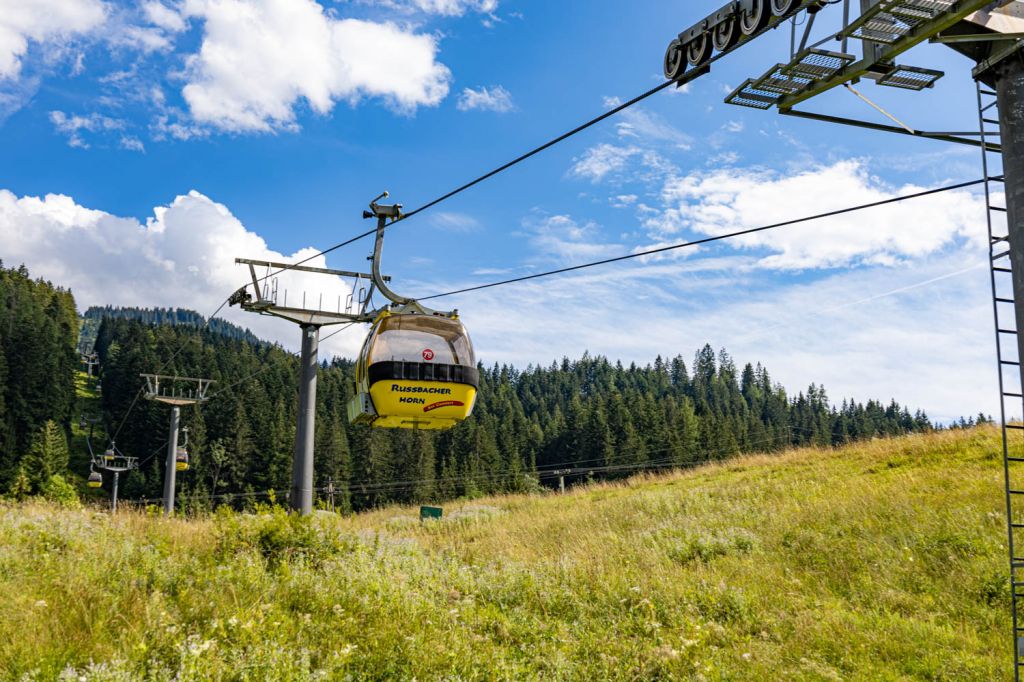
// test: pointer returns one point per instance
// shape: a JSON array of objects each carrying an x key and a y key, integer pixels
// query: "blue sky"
[{"x": 145, "y": 144}]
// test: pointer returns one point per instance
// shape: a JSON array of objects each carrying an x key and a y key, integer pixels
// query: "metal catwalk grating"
[
  {"x": 887, "y": 22},
  {"x": 911, "y": 78},
  {"x": 782, "y": 83},
  {"x": 818, "y": 64},
  {"x": 804, "y": 70},
  {"x": 748, "y": 96}
]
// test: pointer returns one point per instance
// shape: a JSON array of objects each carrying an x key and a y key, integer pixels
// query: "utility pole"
[
  {"x": 266, "y": 299},
  {"x": 561, "y": 473},
  {"x": 176, "y": 391}
]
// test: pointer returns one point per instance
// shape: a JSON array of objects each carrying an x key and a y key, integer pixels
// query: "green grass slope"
[{"x": 880, "y": 561}]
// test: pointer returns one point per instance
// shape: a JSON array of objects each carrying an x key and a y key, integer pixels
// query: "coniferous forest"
[
  {"x": 585, "y": 418},
  {"x": 38, "y": 333}
]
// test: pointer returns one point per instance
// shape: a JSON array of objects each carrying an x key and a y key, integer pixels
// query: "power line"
[
  {"x": 546, "y": 472},
  {"x": 606, "y": 261},
  {"x": 707, "y": 240}
]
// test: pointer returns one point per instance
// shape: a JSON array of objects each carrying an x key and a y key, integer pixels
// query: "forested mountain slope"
[
  {"x": 588, "y": 413},
  {"x": 38, "y": 330},
  {"x": 92, "y": 318}
]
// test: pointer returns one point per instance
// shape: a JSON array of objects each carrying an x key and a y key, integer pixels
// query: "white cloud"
[
  {"x": 73, "y": 125},
  {"x": 132, "y": 143},
  {"x": 598, "y": 161},
  {"x": 448, "y": 8},
  {"x": 495, "y": 98},
  {"x": 260, "y": 58},
  {"x": 727, "y": 200},
  {"x": 167, "y": 18},
  {"x": 563, "y": 239},
  {"x": 453, "y": 221},
  {"x": 182, "y": 256},
  {"x": 42, "y": 21},
  {"x": 614, "y": 162},
  {"x": 141, "y": 38},
  {"x": 651, "y": 128}
]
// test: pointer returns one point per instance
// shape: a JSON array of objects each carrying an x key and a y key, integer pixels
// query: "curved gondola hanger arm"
[{"x": 385, "y": 215}]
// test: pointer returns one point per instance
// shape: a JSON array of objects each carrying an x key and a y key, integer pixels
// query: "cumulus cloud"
[
  {"x": 181, "y": 256},
  {"x": 496, "y": 99},
  {"x": 726, "y": 200},
  {"x": 260, "y": 58},
  {"x": 46, "y": 22},
  {"x": 167, "y": 18}
]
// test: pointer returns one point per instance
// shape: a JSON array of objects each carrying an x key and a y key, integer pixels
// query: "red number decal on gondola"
[{"x": 428, "y": 354}]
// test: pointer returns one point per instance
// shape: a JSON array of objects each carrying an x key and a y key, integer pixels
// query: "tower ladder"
[{"x": 1011, "y": 384}]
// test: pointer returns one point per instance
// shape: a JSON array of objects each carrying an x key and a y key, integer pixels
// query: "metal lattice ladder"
[{"x": 1011, "y": 390}]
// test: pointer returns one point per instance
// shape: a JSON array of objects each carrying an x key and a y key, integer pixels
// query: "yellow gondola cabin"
[{"x": 415, "y": 370}]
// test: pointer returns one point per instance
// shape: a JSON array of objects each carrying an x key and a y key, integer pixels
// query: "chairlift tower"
[
  {"x": 992, "y": 34},
  {"x": 114, "y": 462},
  {"x": 268, "y": 299},
  {"x": 176, "y": 392},
  {"x": 90, "y": 360}
]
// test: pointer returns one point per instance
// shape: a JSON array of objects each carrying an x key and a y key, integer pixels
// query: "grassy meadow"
[{"x": 877, "y": 561}]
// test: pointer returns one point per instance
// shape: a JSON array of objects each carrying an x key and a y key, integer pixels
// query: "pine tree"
[{"x": 48, "y": 456}]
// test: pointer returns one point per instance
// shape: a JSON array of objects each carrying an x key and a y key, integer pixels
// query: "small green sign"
[{"x": 430, "y": 513}]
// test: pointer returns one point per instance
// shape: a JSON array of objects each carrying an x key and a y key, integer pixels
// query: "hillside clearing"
[{"x": 882, "y": 560}]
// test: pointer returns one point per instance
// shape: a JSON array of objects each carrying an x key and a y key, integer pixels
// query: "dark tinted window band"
[{"x": 423, "y": 371}]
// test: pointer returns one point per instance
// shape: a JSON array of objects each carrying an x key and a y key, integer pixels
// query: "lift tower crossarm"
[
  {"x": 915, "y": 36},
  {"x": 305, "y": 268},
  {"x": 304, "y": 315}
]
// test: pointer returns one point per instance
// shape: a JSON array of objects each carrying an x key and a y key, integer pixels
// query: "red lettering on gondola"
[{"x": 444, "y": 403}]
